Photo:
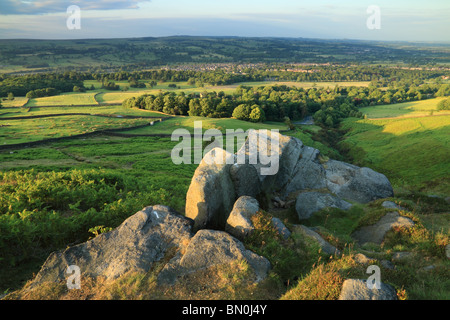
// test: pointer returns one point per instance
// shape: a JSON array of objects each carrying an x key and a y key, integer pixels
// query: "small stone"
[
  {"x": 281, "y": 228},
  {"x": 363, "y": 259}
]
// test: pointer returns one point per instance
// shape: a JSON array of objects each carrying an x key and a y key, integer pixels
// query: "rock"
[
  {"x": 401, "y": 256},
  {"x": 245, "y": 179},
  {"x": 301, "y": 168},
  {"x": 387, "y": 264},
  {"x": 391, "y": 205},
  {"x": 279, "y": 203},
  {"x": 326, "y": 247},
  {"x": 308, "y": 172},
  {"x": 134, "y": 246},
  {"x": 211, "y": 193},
  {"x": 269, "y": 162},
  {"x": 429, "y": 268},
  {"x": 239, "y": 222},
  {"x": 376, "y": 233},
  {"x": 447, "y": 251},
  {"x": 281, "y": 228},
  {"x": 309, "y": 202},
  {"x": 363, "y": 259},
  {"x": 275, "y": 172},
  {"x": 211, "y": 248},
  {"x": 356, "y": 184},
  {"x": 355, "y": 289}
]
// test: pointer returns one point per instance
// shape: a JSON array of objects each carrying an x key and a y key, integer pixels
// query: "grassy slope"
[{"x": 412, "y": 152}]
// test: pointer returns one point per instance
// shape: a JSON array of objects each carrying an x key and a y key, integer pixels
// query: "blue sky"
[{"x": 411, "y": 20}]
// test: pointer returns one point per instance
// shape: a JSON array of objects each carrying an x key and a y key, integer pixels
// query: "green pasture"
[
  {"x": 406, "y": 109},
  {"x": 27, "y": 130},
  {"x": 188, "y": 123},
  {"x": 409, "y": 151}
]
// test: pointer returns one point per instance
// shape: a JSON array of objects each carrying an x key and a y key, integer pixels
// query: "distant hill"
[{"x": 34, "y": 55}]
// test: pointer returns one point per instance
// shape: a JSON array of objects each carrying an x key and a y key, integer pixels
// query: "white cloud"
[{"x": 32, "y": 7}]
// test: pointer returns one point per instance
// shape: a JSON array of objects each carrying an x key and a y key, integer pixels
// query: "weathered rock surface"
[
  {"x": 245, "y": 179},
  {"x": 281, "y": 228},
  {"x": 355, "y": 289},
  {"x": 376, "y": 233},
  {"x": 135, "y": 245},
  {"x": 356, "y": 184},
  {"x": 308, "y": 172},
  {"x": 239, "y": 222},
  {"x": 326, "y": 246},
  {"x": 210, "y": 248},
  {"x": 391, "y": 205},
  {"x": 309, "y": 202},
  {"x": 149, "y": 236},
  {"x": 269, "y": 162},
  {"x": 211, "y": 193}
]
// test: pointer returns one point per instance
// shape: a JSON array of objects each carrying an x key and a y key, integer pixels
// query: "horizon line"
[{"x": 446, "y": 42}]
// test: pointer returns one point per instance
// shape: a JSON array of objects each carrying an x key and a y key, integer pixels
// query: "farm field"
[
  {"x": 69, "y": 98},
  {"x": 29, "y": 130},
  {"x": 96, "y": 109}
]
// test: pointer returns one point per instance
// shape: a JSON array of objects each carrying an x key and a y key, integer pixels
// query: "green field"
[
  {"x": 407, "y": 109},
  {"x": 97, "y": 109},
  {"x": 168, "y": 126},
  {"x": 28, "y": 130},
  {"x": 412, "y": 152},
  {"x": 70, "y": 98}
]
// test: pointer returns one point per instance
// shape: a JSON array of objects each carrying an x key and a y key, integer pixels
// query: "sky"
[{"x": 393, "y": 20}]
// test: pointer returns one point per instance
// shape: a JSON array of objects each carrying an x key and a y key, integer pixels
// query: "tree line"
[
  {"x": 65, "y": 81},
  {"x": 328, "y": 106}
]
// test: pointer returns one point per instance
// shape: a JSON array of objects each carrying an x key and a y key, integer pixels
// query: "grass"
[
  {"x": 407, "y": 109},
  {"x": 17, "y": 102},
  {"x": 104, "y": 110},
  {"x": 409, "y": 151},
  {"x": 168, "y": 126},
  {"x": 69, "y": 98},
  {"x": 28, "y": 130}
]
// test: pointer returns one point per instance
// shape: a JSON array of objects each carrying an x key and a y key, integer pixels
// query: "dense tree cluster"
[
  {"x": 274, "y": 103},
  {"x": 21, "y": 85},
  {"x": 38, "y": 93}
]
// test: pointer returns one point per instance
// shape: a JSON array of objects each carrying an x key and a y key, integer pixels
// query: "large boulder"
[
  {"x": 376, "y": 233},
  {"x": 154, "y": 236},
  {"x": 324, "y": 245},
  {"x": 245, "y": 179},
  {"x": 355, "y": 289},
  {"x": 356, "y": 184},
  {"x": 273, "y": 155},
  {"x": 308, "y": 172},
  {"x": 268, "y": 163},
  {"x": 134, "y": 246},
  {"x": 239, "y": 222},
  {"x": 309, "y": 202},
  {"x": 210, "y": 248},
  {"x": 211, "y": 194},
  {"x": 303, "y": 168}
]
